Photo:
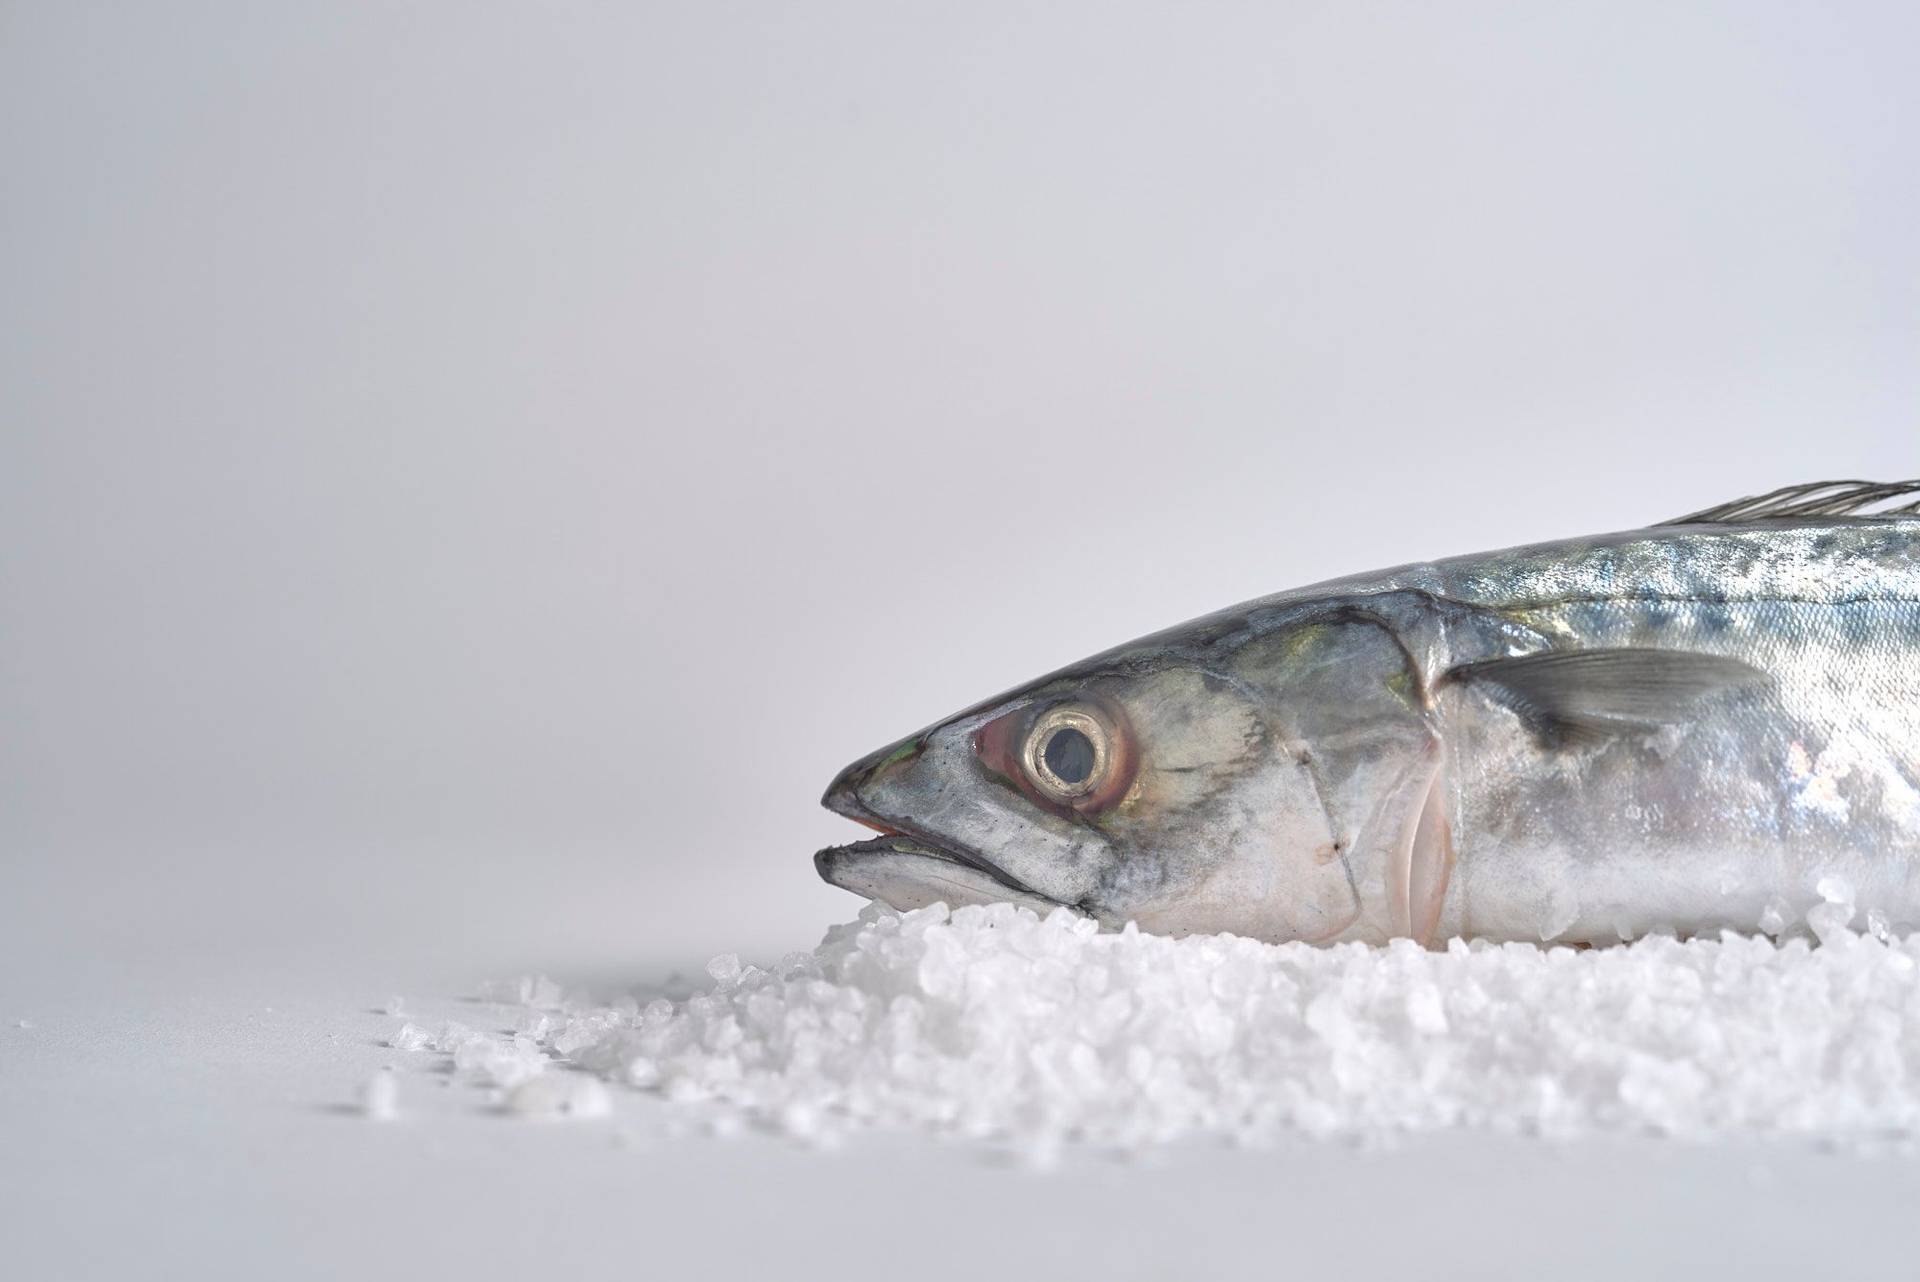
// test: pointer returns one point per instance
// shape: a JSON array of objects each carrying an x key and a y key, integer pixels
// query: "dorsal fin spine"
[{"x": 1815, "y": 498}]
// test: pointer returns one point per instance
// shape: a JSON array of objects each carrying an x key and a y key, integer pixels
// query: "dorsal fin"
[{"x": 1818, "y": 498}]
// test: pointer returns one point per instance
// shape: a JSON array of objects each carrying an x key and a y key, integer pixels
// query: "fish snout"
[{"x": 852, "y": 790}]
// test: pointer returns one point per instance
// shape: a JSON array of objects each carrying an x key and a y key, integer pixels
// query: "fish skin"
[{"x": 1307, "y": 769}]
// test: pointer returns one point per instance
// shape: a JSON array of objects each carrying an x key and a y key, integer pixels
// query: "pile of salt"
[{"x": 994, "y": 1022}]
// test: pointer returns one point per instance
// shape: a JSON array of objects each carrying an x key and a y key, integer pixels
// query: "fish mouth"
[
  {"x": 906, "y": 868},
  {"x": 905, "y": 873}
]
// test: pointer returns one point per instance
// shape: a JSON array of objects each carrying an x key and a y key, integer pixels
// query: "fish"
[{"x": 1709, "y": 723}]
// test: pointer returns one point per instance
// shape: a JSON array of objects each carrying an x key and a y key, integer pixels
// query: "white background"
[{"x": 470, "y": 474}]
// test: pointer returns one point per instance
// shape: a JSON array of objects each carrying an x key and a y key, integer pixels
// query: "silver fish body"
[{"x": 1689, "y": 727}]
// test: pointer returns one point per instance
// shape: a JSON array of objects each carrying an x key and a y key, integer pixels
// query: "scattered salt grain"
[
  {"x": 559, "y": 1095},
  {"x": 499, "y": 1061},
  {"x": 380, "y": 1097},
  {"x": 410, "y": 1037}
]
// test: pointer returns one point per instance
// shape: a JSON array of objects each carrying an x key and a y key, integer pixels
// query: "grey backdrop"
[{"x": 478, "y": 470}]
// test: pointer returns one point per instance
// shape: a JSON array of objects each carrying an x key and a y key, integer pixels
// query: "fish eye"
[
  {"x": 1068, "y": 753},
  {"x": 1076, "y": 755}
]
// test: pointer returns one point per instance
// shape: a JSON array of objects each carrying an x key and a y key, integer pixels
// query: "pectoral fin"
[{"x": 1579, "y": 697}]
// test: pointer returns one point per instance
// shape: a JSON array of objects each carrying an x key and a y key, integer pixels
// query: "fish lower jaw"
[{"x": 907, "y": 873}]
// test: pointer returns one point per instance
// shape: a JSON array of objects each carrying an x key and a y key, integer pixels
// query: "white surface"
[{"x": 210, "y": 1129}]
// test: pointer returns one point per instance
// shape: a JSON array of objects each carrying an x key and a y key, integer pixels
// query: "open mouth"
[
  {"x": 906, "y": 869},
  {"x": 907, "y": 873}
]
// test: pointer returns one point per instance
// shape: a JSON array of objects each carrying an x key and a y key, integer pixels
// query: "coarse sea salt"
[{"x": 992, "y": 1022}]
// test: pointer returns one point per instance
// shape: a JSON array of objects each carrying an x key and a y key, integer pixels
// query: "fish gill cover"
[{"x": 996, "y": 1023}]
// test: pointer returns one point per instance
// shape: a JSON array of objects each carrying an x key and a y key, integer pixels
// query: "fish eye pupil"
[{"x": 1069, "y": 754}]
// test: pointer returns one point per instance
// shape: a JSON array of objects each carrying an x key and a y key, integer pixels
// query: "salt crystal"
[
  {"x": 452, "y": 1036},
  {"x": 1878, "y": 926},
  {"x": 411, "y": 1037},
  {"x": 559, "y": 1095},
  {"x": 1424, "y": 1010},
  {"x": 380, "y": 1097},
  {"x": 1829, "y": 921},
  {"x": 1558, "y": 914}
]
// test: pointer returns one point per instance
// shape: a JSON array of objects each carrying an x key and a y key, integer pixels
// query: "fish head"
[{"x": 1255, "y": 780}]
